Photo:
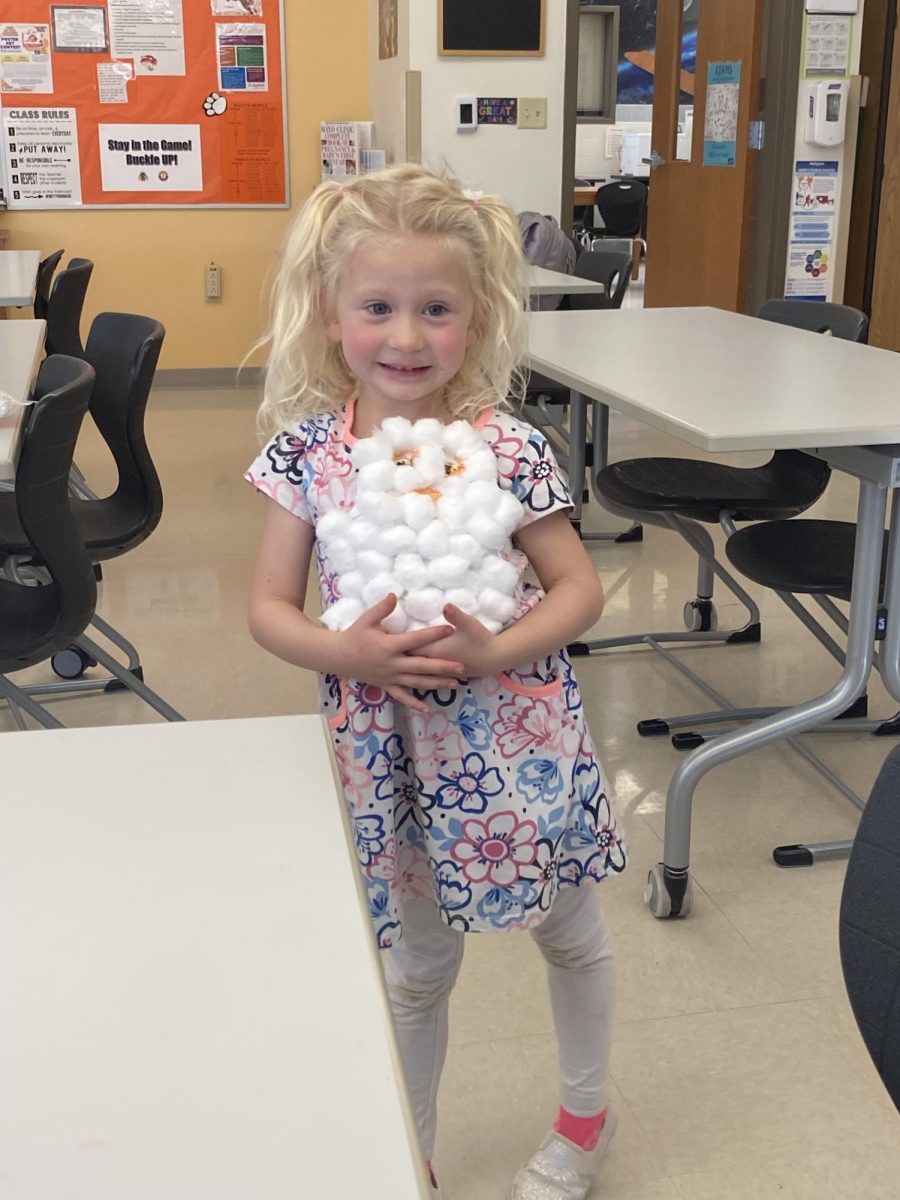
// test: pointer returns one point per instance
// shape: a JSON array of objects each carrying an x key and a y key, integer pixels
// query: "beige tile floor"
[{"x": 737, "y": 1069}]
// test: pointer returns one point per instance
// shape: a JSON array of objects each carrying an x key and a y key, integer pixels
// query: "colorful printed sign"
[
  {"x": 494, "y": 111},
  {"x": 723, "y": 97}
]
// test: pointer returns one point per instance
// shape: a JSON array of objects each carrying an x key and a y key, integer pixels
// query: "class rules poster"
[{"x": 153, "y": 103}]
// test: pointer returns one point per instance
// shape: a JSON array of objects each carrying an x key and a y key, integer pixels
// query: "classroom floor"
[{"x": 737, "y": 1070}]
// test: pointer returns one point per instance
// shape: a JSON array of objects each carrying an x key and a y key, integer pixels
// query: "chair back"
[
  {"x": 65, "y": 307},
  {"x": 622, "y": 206},
  {"x": 612, "y": 268},
  {"x": 869, "y": 929},
  {"x": 35, "y": 622},
  {"x": 44, "y": 280},
  {"x": 123, "y": 349},
  {"x": 838, "y": 320}
]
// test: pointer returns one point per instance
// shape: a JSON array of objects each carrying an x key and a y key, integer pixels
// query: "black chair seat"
[
  {"x": 108, "y": 527},
  {"x": 30, "y": 617},
  {"x": 782, "y": 487},
  {"x": 806, "y": 557}
]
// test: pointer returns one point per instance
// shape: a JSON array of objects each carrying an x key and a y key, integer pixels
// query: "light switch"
[{"x": 532, "y": 112}]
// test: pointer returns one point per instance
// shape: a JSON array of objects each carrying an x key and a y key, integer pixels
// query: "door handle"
[{"x": 655, "y": 160}]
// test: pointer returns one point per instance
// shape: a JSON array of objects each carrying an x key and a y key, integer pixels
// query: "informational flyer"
[
  {"x": 811, "y": 236},
  {"x": 827, "y": 45},
  {"x": 723, "y": 97},
  {"x": 149, "y": 31},
  {"x": 251, "y": 166},
  {"x": 815, "y": 185},
  {"x": 79, "y": 29},
  {"x": 150, "y": 158},
  {"x": 112, "y": 82},
  {"x": 25, "y": 59},
  {"x": 237, "y": 8},
  {"x": 241, "y": 52},
  {"x": 40, "y": 146}
]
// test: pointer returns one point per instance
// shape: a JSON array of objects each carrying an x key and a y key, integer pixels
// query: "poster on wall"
[
  {"x": 827, "y": 50},
  {"x": 387, "y": 29},
  {"x": 166, "y": 103},
  {"x": 637, "y": 50},
  {"x": 811, "y": 236},
  {"x": 723, "y": 98}
]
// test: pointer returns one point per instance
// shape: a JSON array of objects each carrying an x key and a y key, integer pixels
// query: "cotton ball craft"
[{"x": 431, "y": 525}]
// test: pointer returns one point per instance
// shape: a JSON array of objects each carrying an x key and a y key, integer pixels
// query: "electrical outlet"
[
  {"x": 213, "y": 275},
  {"x": 532, "y": 112}
]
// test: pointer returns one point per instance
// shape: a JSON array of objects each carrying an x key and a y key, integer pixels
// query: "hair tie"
[{"x": 476, "y": 202}]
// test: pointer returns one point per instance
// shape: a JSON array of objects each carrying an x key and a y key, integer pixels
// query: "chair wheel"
[
  {"x": 700, "y": 616},
  {"x": 658, "y": 898},
  {"x": 71, "y": 663}
]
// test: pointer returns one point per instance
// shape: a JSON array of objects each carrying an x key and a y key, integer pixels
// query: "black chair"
[
  {"x": 38, "y": 619},
  {"x": 612, "y": 268},
  {"x": 44, "y": 280},
  {"x": 685, "y": 493},
  {"x": 869, "y": 925},
  {"x": 65, "y": 306},
  {"x": 623, "y": 210},
  {"x": 123, "y": 350}
]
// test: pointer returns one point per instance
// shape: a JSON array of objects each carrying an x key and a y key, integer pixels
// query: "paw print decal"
[{"x": 214, "y": 104}]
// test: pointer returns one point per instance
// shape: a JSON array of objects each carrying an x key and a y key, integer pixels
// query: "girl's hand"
[
  {"x": 396, "y": 661},
  {"x": 469, "y": 642}
]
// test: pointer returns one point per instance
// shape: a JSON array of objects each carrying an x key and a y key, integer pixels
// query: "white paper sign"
[
  {"x": 41, "y": 150},
  {"x": 150, "y": 158},
  {"x": 25, "y": 59},
  {"x": 112, "y": 82},
  {"x": 149, "y": 31}
]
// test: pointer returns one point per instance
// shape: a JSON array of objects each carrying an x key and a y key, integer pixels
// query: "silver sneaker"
[{"x": 561, "y": 1170}]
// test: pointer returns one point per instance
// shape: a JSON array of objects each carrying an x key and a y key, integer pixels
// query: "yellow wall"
[{"x": 152, "y": 262}]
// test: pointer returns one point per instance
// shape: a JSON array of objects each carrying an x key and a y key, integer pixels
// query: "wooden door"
[
  {"x": 885, "y": 326},
  {"x": 699, "y": 219}
]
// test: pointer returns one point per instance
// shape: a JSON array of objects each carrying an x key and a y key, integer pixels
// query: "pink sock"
[{"x": 583, "y": 1131}]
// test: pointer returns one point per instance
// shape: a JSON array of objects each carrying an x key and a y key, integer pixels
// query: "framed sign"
[{"x": 494, "y": 28}]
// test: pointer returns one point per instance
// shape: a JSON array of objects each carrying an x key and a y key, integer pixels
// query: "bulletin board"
[
  {"x": 143, "y": 103},
  {"x": 495, "y": 28}
]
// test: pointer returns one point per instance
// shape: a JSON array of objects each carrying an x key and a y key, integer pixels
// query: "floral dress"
[{"x": 493, "y": 801}]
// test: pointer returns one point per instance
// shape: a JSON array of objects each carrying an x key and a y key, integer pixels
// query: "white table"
[
  {"x": 18, "y": 277},
  {"x": 190, "y": 1000},
  {"x": 721, "y": 381},
  {"x": 21, "y": 346},
  {"x": 543, "y": 282}
]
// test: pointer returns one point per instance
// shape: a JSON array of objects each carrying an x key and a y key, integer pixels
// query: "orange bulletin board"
[{"x": 150, "y": 103}]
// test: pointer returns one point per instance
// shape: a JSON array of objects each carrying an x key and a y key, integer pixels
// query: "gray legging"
[{"x": 422, "y": 969}]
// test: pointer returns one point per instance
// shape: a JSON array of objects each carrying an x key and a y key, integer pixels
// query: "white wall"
[{"x": 522, "y": 165}]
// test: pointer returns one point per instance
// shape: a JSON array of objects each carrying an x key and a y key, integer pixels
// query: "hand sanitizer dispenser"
[{"x": 826, "y": 118}]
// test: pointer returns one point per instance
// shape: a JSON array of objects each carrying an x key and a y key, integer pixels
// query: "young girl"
[{"x": 476, "y": 794}]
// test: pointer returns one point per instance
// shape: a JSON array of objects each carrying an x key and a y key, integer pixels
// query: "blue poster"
[{"x": 723, "y": 97}]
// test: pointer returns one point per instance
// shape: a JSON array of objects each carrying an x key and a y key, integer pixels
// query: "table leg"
[
  {"x": 668, "y": 886},
  {"x": 577, "y": 452},
  {"x": 889, "y": 657}
]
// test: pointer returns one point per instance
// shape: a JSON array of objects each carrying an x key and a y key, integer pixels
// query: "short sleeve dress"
[{"x": 495, "y": 800}]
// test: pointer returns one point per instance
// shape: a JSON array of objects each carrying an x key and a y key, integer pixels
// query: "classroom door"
[
  {"x": 884, "y": 330},
  {"x": 708, "y": 54}
]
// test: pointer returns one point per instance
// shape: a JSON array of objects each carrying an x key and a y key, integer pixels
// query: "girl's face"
[{"x": 403, "y": 316}]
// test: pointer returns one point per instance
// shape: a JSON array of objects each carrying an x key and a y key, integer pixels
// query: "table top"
[
  {"x": 21, "y": 344},
  {"x": 18, "y": 277},
  {"x": 721, "y": 381},
  {"x": 543, "y": 282},
  {"x": 584, "y": 194},
  {"x": 190, "y": 993}
]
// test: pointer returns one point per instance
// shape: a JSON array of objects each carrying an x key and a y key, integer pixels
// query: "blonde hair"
[{"x": 307, "y": 372}]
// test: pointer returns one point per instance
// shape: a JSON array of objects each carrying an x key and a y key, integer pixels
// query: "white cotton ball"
[
  {"x": 495, "y": 604},
  {"x": 428, "y": 431},
  {"x": 398, "y": 431},
  {"x": 490, "y": 624},
  {"x": 352, "y": 583},
  {"x": 461, "y": 439},
  {"x": 411, "y": 572},
  {"x": 418, "y": 511},
  {"x": 342, "y": 613},
  {"x": 472, "y": 582},
  {"x": 495, "y": 572},
  {"x": 462, "y": 598},
  {"x": 333, "y": 525},
  {"x": 430, "y": 464},
  {"x": 409, "y": 479},
  {"x": 379, "y": 587},
  {"x": 480, "y": 467},
  {"x": 434, "y": 540},
  {"x": 371, "y": 563},
  {"x": 400, "y": 539},
  {"x": 465, "y": 546},
  {"x": 341, "y": 555},
  {"x": 481, "y": 495},
  {"x": 508, "y": 512},
  {"x": 426, "y": 604},
  {"x": 452, "y": 510},
  {"x": 487, "y": 531},
  {"x": 376, "y": 448},
  {"x": 362, "y": 533},
  {"x": 376, "y": 476},
  {"x": 382, "y": 510},
  {"x": 447, "y": 571},
  {"x": 396, "y": 621}
]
